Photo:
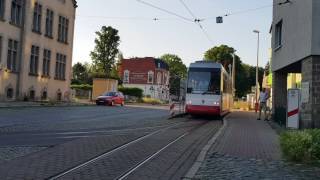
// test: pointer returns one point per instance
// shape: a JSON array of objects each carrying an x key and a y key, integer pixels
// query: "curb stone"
[{"x": 201, "y": 157}]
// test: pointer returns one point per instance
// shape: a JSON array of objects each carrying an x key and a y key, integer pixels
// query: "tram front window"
[{"x": 204, "y": 82}]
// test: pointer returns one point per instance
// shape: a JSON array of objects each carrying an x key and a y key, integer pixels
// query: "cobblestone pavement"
[
  {"x": 12, "y": 152},
  {"x": 172, "y": 163},
  {"x": 249, "y": 149},
  {"x": 235, "y": 168}
]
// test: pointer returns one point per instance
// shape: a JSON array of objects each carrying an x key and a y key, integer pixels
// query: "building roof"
[{"x": 158, "y": 63}]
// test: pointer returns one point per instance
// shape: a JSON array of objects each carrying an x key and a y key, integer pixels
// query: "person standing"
[{"x": 263, "y": 98}]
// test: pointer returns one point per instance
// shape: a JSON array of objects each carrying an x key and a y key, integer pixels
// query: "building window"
[
  {"x": 63, "y": 29},
  {"x": 49, "y": 23},
  {"x": 126, "y": 76},
  {"x": 159, "y": 78},
  {"x": 60, "y": 72},
  {"x": 32, "y": 94},
  {"x": 16, "y": 12},
  {"x": 2, "y": 8},
  {"x": 37, "y": 14},
  {"x": 46, "y": 63},
  {"x": 150, "y": 77},
  {"x": 278, "y": 35},
  {"x": 34, "y": 60},
  {"x": 44, "y": 95},
  {"x": 9, "y": 93},
  {"x": 12, "y": 55},
  {"x": 59, "y": 96}
]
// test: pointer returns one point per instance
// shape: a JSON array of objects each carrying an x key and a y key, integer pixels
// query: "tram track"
[
  {"x": 104, "y": 155},
  {"x": 185, "y": 129}
]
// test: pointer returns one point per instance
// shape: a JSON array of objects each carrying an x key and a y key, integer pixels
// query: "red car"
[{"x": 111, "y": 99}]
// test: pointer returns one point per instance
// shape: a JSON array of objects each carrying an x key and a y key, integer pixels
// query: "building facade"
[
  {"x": 296, "y": 49},
  {"x": 149, "y": 74},
  {"x": 36, "y": 43}
]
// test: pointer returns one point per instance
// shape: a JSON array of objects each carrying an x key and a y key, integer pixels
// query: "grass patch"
[
  {"x": 301, "y": 145},
  {"x": 151, "y": 101}
]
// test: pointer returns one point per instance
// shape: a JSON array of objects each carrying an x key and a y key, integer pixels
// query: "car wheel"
[{"x": 112, "y": 103}]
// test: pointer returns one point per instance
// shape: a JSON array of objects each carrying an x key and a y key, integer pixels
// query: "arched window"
[
  {"x": 44, "y": 95},
  {"x": 32, "y": 94},
  {"x": 10, "y": 93},
  {"x": 126, "y": 76},
  {"x": 150, "y": 77},
  {"x": 59, "y": 95}
]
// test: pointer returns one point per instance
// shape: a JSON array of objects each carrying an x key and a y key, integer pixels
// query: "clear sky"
[{"x": 141, "y": 36}]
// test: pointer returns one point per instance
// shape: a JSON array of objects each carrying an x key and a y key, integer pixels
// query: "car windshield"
[
  {"x": 109, "y": 94},
  {"x": 205, "y": 81}
]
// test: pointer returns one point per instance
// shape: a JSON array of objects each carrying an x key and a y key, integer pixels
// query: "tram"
[{"x": 209, "y": 89}]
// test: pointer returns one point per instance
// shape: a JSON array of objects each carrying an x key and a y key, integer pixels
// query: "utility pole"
[
  {"x": 234, "y": 74},
  {"x": 257, "y": 68}
]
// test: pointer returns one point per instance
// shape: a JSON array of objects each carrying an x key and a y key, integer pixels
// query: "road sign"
[
  {"x": 219, "y": 20},
  {"x": 293, "y": 108}
]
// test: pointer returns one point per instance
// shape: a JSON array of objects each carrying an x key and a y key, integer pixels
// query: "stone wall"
[
  {"x": 279, "y": 97},
  {"x": 310, "y": 111}
]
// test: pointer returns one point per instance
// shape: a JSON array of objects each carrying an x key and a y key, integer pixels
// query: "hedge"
[
  {"x": 301, "y": 146},
  {"x": 136, "y": 92},
  {"x": 81, "y": 86}
]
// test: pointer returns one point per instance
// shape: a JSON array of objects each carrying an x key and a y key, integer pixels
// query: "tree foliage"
[
  {"x": 105, "y": 51},
  {"x": 245, "y": 74},
  {"x": 177, "y": 70},
  {"x": 221, "y": 54},
  {"x": 81, "y": 73}
]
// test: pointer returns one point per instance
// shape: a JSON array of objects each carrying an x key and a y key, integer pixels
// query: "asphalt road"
[
  {"x": 56, "y": 125},
  {"x": 99, "y": 142}
]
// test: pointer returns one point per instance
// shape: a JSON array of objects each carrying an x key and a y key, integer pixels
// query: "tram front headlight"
[
  {"x": 216, "y": 103},
  {"x": 189, "y": 102}
]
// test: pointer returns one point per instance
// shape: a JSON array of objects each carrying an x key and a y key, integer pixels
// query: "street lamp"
[{"x": 257, "y": 69}]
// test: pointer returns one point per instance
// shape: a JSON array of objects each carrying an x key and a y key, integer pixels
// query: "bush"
[
  {"x": 301, "y": 146},
  {"x": 151, "y": 100},
  {"x": 81, "y": 86},
  {"x": 136, "y": 92}
]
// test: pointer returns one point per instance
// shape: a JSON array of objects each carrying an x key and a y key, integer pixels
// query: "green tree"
[
  {"x": 221, "y": 54},
  {"x": 80, "y": 73},
  {"x": 245, "y": 74},
  {"x": 105, "y": 51},
  {"x": 177, "y": 70}
]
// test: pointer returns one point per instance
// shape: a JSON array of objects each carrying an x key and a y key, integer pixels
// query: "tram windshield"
[{"x": 204, "y": 81}]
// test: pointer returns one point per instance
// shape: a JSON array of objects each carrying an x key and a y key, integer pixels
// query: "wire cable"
[
  {"x": 253, "y": 9},
  {"x": 164, "y": 10},
  {"x": 127, "y": 18},
  {"x": 197, "y": 21}
]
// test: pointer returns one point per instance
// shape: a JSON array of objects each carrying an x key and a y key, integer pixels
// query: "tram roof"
[{"x": 205, "y": 64}]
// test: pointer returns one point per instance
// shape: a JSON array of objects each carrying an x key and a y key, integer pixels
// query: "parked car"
[{"x": 111, "y": 99}]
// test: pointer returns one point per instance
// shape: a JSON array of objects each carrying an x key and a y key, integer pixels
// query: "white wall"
[
  {"x": 157, "y": 93},
  {"x": 296, "y": 32}
]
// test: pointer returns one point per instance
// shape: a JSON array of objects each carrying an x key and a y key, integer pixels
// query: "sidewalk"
[
  {"x": 249, "y": 149},
  {"x": 22, "y": 104}
]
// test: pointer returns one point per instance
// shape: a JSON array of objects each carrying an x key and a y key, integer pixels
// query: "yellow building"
[
  {"x": 101, "y": 86},
  {"x": 36, "y": 43}
]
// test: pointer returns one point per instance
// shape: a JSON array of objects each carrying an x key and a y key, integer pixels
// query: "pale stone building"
[
  {"x": 296, "y": 49},
  {"x": 36, "y": 43}
]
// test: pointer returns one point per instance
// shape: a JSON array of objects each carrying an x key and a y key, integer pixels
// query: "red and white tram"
[{"x": 209, "y": 89}]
